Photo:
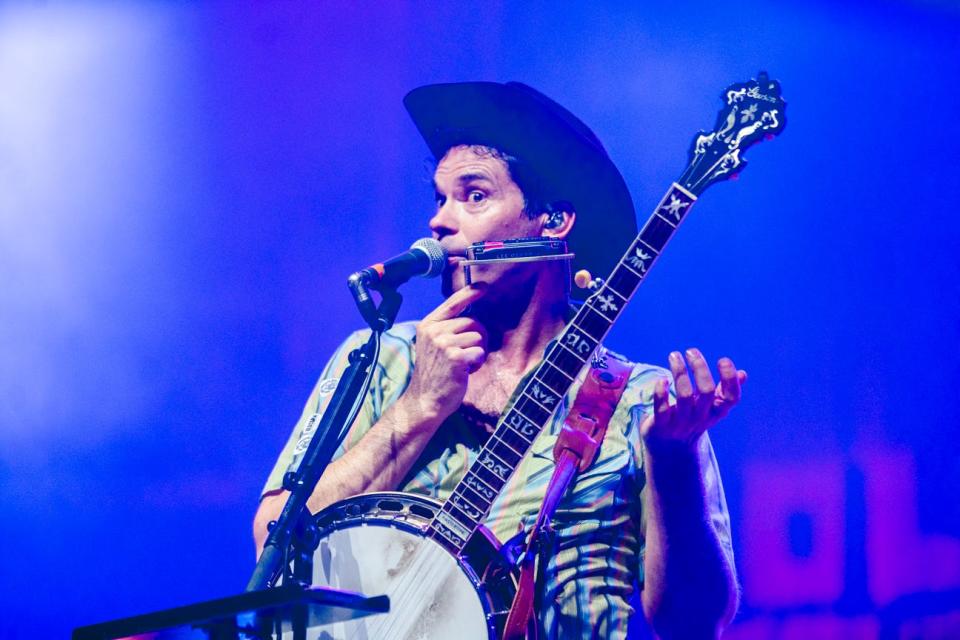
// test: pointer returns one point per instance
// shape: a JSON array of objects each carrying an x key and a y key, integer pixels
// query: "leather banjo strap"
[{"x": 576, "y": 449}]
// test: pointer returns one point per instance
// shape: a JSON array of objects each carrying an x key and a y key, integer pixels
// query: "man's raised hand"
[{"x": 700, "y": 401}]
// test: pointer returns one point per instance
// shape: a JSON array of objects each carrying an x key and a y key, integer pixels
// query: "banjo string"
[
  {"x": 404, "y": 587},
  {"x": 429, "y": 566}
]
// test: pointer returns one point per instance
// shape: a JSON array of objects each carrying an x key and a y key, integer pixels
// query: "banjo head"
[{"x": 375, "y": 544}]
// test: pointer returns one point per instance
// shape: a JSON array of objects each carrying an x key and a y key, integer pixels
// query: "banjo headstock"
[{"x": 752, "y": 111}]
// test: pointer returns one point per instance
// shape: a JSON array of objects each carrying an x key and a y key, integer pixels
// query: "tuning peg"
[{"x": 584, "y": 280}]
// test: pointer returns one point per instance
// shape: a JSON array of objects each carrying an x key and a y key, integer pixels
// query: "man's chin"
[
  {"x": 451, "y": 280},
  {"x": 446, "y": 286}
]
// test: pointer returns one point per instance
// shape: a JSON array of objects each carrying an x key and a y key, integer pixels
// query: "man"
[{"x": 513, "y": 164}]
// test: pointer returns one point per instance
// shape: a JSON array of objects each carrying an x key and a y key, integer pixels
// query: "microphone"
[{"x": 424, "y": 258}]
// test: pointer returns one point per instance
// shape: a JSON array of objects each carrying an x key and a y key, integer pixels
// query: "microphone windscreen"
[{"x": 435, "y": 253}]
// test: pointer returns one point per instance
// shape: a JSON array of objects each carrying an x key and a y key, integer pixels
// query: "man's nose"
[{"x": 443, "y": 222}]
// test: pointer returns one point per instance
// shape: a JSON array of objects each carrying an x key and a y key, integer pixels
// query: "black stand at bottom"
[{"x": 254, "y": 615}]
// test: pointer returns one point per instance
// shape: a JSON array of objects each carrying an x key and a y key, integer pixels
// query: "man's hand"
[
  {"x": 700, "y": 402},
  {"x": 449, "y": 349}
]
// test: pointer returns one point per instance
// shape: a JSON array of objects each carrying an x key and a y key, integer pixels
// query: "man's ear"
[{"x": 558, "y": 224}]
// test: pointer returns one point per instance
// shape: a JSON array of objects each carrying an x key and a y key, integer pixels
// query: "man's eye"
[
  {"x": 440, "y": 200},
  {"x": 477, "y": 196}
]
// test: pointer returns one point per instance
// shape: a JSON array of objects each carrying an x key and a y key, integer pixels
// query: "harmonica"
[{"x": 514, "y": 250}]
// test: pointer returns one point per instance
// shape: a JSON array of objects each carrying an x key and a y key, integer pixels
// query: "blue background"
[{"x": 183, "y": 189}]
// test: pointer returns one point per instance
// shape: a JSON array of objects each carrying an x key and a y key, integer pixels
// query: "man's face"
[{"x": 477, "y": 200}]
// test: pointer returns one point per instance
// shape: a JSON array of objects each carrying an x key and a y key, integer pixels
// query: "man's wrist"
[
  {"x": 414, "y": 414},
  {"x": 674, "y": 467},
  {"x": 673, "y": 452}
]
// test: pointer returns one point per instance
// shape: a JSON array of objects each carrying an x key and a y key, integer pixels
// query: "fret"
[
  {"x": 517, "y": 411},
  {"x": 478, "y": 501},
  {"x": 545, "y": 372},
  {"x": 492, "y": 455},
  {"x": 593, "y": 323},
  {"x": 639, "y": 241},
  {"x": 608, "y": 289},
  {"x": 542, "y": 395},
  {"x": 473, "y": 481},
  {"x": 656, "y": 233},
  {"x": 489, "y": 478},
  {"x": 532, "y": 411},
  {"x": 547, "y": 376},
  {"x": 629, "y": 268},
  {"x": 513, "y": 439},
  {"x": 521, "y": 424},
  {"x": 459, "y": 517},
  {"x": 534, "y": 400},
  {"x": 638, "y": 258},
  {"x": 444, "y": 535},
  {"x": 589, "y": 304},
  {"x": 567, "y": 361},
  {"x": 452, "y": 524},
  {"x": 579, "y": 342},
  {"x": 676, "y": 203},
  {"x": 576, "y": 323},
  {"x": 582, "y": 358},
  {"x": 466, "y": 507},
  {"x": 503, "y": 452},
  {"x": 525, "y": 417},
  {"x": 512, "y": 444},
  {"x": 494, "y": 465},
  {"x": 624, "y": 281},
  {"x": 668, "y": 221}
]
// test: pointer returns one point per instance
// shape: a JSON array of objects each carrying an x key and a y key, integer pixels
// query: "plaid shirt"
[{"x": 597, "y": 554}]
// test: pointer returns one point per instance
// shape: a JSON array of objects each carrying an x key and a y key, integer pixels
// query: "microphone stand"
[{"x": 295, "y": 525}]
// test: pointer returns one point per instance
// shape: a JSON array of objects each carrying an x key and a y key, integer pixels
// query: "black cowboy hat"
[{"x": 566, "y": 158}]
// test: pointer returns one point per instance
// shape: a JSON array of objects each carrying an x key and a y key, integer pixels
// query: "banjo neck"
[
  {"x": 752, "y": 111},
  {"x": 541, "y": 392}
]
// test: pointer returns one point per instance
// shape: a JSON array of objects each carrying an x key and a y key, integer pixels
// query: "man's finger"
[
  {"x": 473, "y": 357},
  {"x": 701, "y": 372},
  {"x": 682, "y": 382},
  {"x": 456, "y": 303},
  {"x": 663, "y": 411},
  {"x": 460, "y": 324},
  {"x": 729, "y": 381},
  {"x": 661, "y": 399},
  {"x": 467, "y": 339}
]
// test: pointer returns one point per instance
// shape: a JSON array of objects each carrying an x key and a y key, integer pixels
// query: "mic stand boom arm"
[{"x": 294, "y": 525}]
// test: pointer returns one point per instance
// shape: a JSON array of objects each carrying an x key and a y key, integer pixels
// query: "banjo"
[{"x": 439, "y": 565}]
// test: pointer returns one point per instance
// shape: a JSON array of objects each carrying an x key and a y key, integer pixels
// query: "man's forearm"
[
  {"x": 378, "y": 462},
  {"x": 382, "y": 457},
  {"x": 690, "y": 586}
]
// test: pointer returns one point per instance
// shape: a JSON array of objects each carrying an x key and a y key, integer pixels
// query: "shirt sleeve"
[{"x": 317, "y": 403}]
